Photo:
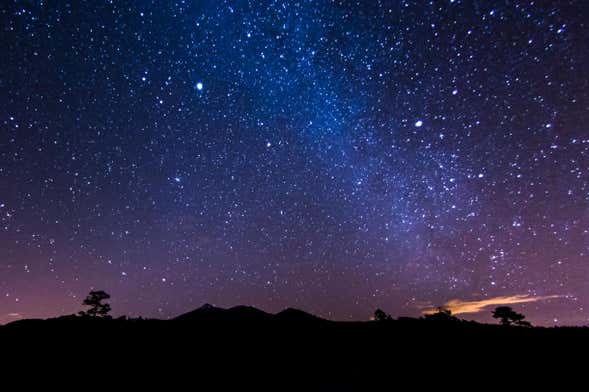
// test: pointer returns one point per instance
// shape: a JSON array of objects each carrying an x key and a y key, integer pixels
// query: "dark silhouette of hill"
[
  {"x": 210, "y": 313},
  {"x": 296, "y": 316},
  {"x": 288, "y": 350}
]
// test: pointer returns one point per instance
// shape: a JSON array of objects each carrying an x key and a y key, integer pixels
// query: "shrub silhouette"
[
  {"x": 443, "y": 314},
  {"x": 97, "y": 307},
  {"x": 507, "y": 316},
  {"x": 380, "y": 315}
]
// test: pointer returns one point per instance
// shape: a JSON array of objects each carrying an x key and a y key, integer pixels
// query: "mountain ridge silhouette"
[{"x": 293, "y": 346}]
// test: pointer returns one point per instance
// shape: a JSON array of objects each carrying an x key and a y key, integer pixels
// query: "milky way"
[{"x": 331, "y": 156}]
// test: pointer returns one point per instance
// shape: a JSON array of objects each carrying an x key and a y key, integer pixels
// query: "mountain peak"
[{"x": 207, "y": 306}]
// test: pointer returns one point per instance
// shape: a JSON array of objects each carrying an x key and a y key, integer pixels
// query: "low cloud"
[{"x": 458, "y": 306}]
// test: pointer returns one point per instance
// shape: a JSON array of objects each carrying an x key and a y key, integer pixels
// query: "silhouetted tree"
[
  {"x": 508, "y": 316},
  {"x": 97, "y": 307},
  {"x": 380, "y": 315},
  {"x": 443, "y": 314}
]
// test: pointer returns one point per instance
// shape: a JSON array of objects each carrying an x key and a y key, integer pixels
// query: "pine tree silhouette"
[
  {"x": 380, "y": 315},
  {"x": 507, "y": 316},
  {"x": 97, "y": 307}
]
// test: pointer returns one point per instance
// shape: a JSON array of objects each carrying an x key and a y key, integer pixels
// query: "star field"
[{"x": 334, "y": 156}]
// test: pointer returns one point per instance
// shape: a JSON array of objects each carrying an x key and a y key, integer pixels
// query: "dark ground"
[{"x": 244, "y": 348}]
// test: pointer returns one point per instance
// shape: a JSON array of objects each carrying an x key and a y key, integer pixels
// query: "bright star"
[
  {"x": 418, "y": 123},
  {"x": 199, "y": 86}
]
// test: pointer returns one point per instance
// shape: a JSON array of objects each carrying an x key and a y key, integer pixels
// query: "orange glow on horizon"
[{"x": 458, "y": 306}]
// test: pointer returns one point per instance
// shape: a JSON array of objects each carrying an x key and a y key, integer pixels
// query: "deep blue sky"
[{"x": 334, "y": 156}]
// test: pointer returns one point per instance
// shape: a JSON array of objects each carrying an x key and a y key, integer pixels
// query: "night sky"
[{"x": 333, "y": 156}]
